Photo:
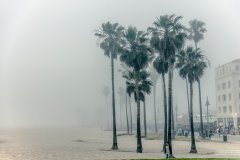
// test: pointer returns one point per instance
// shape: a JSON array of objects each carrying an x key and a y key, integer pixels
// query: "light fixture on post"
[{"x": 207, "y": 104}]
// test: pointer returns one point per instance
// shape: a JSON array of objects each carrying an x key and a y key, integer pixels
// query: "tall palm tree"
[
  {"x": 190, "y": 62},
  {"x": 110, "y": 40},
  {"x": 172, "y": 36},
  {"x": 154, "y": 77},
  {"x": 197, "y": 29},
  {"x": 200, "y": 70},
  {"x": 161, "y": 67},
  {"x": 135, "y": 54},
  {"x": 106, "y": 92}
]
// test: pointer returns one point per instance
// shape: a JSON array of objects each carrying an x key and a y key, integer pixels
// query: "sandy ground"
[{"x": 92, "y": 143}]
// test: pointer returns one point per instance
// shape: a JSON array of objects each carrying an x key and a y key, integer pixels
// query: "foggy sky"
[{"x": 52, "y": 72}]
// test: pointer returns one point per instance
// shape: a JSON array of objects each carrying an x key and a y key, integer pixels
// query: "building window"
[
  {"x": 219, "y": 109},
  {"x": 219, "y": 98},
  {"x": 224, "y": 97},
  {"x": 223, "y": 85},
  {"x": 230, "y": 96},
  {"x": 219, "y": 87},
  {"x": 224, "y": 109},
  {"x": 237, "y": 67},
  {"x": 229, "y": 84},
  {"x": 230, "y": 109}
]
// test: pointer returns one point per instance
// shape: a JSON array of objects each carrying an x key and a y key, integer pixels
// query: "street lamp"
[
  {"x": 207, "y": 104},
  {"x": 176, "y": 108}
]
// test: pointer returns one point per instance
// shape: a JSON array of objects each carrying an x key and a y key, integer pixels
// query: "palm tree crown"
[
  {"x": 196, "y": 30},
  {"x": 168, "y": 36},
  {"x": 135, "y": 53},
  {"x": 191, "y": 64},
  {"x": 110, "y": 38}
]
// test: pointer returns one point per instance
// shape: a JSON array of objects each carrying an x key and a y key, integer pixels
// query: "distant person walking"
[
  {"x": 167, "y": 150},
  {"x": 219, "y": 131}
]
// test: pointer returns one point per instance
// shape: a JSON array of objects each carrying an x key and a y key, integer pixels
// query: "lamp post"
[
  {"x": 176, "y": 108},
  {"x": 207, "y": 104}
]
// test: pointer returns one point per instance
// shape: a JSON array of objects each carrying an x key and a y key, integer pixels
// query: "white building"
[{"x": 227, "y": 82}]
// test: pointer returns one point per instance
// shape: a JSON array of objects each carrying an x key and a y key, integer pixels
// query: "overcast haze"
[{"x": 52, "y": 72}]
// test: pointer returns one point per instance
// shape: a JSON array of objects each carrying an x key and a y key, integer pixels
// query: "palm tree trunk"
[
  {"x": 145, "y": 118},
  {"x": 200, "y": 106},
  {"x": 173, "y": 124},
  {"x": 188, "y": 101},
  {"x": 139, "y": 141},
  {"x": 193, "y": 145},
  {"x": 154, "y": 104},
  {"x": 165, "y": 110},
  {"x": 127, "y": 114},
  {"x": 170, "y": 72},
  {"x": 195, "y": 45},
  {"x": 114, "y": 146},
  {"x": 130, "y": 110},
  {"x": 120, "y": 113}
]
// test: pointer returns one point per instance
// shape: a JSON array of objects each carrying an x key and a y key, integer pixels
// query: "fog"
[{"x": 52, "y": 72}]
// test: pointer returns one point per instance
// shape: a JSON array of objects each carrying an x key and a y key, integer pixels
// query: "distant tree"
[
  {"x": 124, "y": 70},
  {"x": 121, "y": 94},
  {"x": 135, "y": 54},
  {"x": 106, "y": 92},
  {"x": 154, "y": 77},
  {"x": 110, "y": 40},
  {"x": 126, "y": 109}
]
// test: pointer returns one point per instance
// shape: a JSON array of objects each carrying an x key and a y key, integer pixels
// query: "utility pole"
[{"x": 176, "y": 108}]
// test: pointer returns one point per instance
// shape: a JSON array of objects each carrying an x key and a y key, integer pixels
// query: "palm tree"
[
  {"x": 154, "y": 77},
  {"x": 135, "y": 54},
  {"x": 170, "y": 37},
  {"x": 106, "y": 92},
  {"x": 190, "y": 62},
  {"x": 200, "y": 70},
  {"x": 162, "y": 67},
  {"x": 110, "y": 39},
  {"x": 197, "y": 30}
]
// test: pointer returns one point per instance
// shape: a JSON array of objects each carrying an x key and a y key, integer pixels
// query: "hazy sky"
[{"x": 52, "y": 71}]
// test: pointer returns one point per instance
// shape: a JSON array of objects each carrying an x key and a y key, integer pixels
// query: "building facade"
[{"x": 227, "y": 82}]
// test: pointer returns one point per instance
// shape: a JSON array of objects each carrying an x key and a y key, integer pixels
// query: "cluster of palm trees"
[{"x": 163, "y": 47}]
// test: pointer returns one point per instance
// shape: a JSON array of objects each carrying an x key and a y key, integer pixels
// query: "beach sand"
[{"x": 94, "y": 143}]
